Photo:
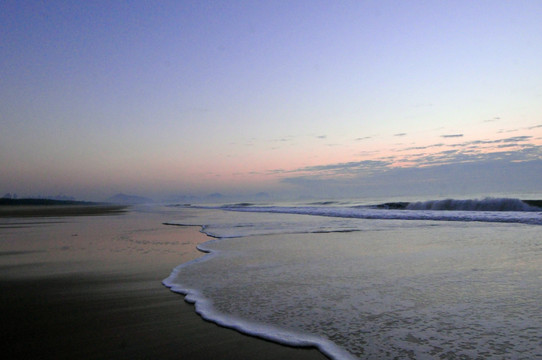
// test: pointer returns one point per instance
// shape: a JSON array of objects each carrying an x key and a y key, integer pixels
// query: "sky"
[{"x": 291, "y": 98}]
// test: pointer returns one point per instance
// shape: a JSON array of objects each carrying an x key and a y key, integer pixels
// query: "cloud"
[
  {"x": 477, "y": 150},
  {"x": 367, "y": 152},
  {"x": 478, "y": 166},
  {"x": 276, "y": 171},
  {"x": 416, "y": 148},
  {"x": 517, "y": 139},
  {"x": 503, "y": 131},
  {"x": 496, "y": 118},
  {"x": 516, "y": 148},
  {"x": 400, "y": 134},
  {"x": 345, "y": 167},
  {"x": 283, "y": 139},
  {"x": 322, "y": 136},
  {"x": 501, "y": 146},
  {"x": 451, "y": 135},
  {"x": 486, "y": 176},
  {"x": 423, "y": 147},
  {"x": 363, "y": 138},
  {"x": 513, "y": 139}
]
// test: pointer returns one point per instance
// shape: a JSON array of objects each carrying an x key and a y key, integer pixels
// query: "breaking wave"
[
  {"x": 487, "y": 204},
  {"x": 486, "y": 210}
]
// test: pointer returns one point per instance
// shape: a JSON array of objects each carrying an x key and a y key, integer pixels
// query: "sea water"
[{"x": 366, "y": 282}]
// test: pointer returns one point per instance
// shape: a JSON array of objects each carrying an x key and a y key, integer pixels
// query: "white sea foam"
[
  {"x": 371, "y": 288},
  {"x": 205, "y": 308},
  {"x": 487, "y": 204},
  {"x": 534, "y": 218}
]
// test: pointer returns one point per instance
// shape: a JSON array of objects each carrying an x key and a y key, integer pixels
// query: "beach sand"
[{"x": 90, "y": 287}]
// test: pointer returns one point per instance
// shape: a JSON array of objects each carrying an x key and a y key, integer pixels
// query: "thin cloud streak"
[
  {"x": 517, "y": 148},
  {"x": 500, "y": 174}
]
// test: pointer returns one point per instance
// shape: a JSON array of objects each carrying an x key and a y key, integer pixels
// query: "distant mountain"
[
  {"x": 128, "y": 199},
  {"x": 218, "y": 198}
]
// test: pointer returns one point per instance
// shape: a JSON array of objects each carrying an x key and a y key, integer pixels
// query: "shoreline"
[
  {"x": 325, "y": 348},
  {"x": 68, "y": 210},
  {"x": 90, "y": 287}
]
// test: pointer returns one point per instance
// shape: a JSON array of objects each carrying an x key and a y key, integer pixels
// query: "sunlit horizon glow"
[{"x": 293, "y": 98}]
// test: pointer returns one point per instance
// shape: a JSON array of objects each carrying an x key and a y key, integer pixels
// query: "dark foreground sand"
[{"x": 90, "y": 287}]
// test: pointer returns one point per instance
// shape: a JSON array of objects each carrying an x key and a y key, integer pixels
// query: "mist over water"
[{"x": 371, "y": 288}]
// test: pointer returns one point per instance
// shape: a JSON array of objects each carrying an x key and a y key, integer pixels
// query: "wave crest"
[{"x": 487, "y": 204}]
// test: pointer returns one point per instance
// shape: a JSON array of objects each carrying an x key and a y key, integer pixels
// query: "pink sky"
[{"x": 189, "y": 98}]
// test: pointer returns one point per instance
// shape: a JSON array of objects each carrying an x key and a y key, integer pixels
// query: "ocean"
[{"x": 448, "y": 279}]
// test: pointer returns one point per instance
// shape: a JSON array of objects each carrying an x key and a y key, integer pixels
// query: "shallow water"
[
  {"x": 44, "y": 246},
  {"x": 363, "y": 288}
]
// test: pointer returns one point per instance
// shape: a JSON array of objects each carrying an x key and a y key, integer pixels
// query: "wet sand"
[
  {"x": 90, "y": 287},
  {"x": 59, "y": 210}
]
